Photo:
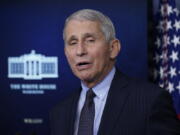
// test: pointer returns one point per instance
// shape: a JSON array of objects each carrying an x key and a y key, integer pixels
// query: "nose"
[{"x": 81, "y": 49}]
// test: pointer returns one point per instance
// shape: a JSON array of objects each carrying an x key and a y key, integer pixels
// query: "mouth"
[{"x": 83, "y": 65}]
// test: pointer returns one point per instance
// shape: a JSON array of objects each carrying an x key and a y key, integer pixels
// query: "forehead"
[{"x": 79, "y": 27}]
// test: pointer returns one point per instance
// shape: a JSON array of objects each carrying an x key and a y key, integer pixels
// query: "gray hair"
[{"x": 106, "y": 24}]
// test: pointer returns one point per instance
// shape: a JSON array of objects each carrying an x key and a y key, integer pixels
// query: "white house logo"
[{"x": 32, "y": 66}]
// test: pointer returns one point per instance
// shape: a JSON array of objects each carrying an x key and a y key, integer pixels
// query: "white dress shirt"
[{"x": 101, "y": 90}]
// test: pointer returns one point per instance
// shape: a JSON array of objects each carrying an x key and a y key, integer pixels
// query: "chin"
[
  {"x": 84, "y": 75},
  {"x": 85, "y": 78}
]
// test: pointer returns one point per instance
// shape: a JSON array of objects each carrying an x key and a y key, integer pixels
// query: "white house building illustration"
[{"x": 32, "y": 66}]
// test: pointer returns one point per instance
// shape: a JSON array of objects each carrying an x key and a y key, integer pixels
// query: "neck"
[{"x": 91, "y": 84}]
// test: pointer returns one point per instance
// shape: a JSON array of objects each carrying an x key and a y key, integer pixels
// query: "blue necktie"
[{"x": 86, "y": 120}]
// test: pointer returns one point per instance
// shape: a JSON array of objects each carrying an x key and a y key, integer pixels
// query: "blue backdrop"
[{"x": 25, "y": 103}]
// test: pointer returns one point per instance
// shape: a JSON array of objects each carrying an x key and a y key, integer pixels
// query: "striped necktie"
[{"x": 86, "y": 120}]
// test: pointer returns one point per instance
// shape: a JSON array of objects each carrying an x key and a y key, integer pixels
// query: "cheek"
[
  {"x": 101, "y": 60},
  {"x": 69, "y": 56},
  {"x": 70, "y": 60}
]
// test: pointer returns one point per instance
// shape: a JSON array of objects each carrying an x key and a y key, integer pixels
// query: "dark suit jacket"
[{"x": 132, "y": 108}]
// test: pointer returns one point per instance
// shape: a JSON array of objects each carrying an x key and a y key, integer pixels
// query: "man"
[{"x": 108, "y": 103}]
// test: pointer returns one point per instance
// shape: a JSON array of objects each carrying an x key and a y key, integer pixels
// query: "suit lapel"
[
  {"x": 73, "y": 110},
  {"x": 114, "y": 104}
]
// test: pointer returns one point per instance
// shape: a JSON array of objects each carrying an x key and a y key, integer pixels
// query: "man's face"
[{"x": 88, "y": 53}]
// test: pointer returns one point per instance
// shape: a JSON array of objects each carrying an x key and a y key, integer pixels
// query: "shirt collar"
[{"x": 102, "y": 88}]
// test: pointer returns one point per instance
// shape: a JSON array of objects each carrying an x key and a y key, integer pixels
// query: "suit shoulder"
[
  {"x": 65, "y": 101},
  {"x": 145, "y": 92},
  {"x": 137, "y": 87},
  {"x": 145, "y": 86}
]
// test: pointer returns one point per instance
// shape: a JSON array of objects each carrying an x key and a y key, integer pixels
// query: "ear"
[
  {"x": 65, "y": 50},
  {"x": 115, "y": 47}
]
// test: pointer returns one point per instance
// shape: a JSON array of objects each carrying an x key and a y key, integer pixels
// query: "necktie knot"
[{"x": 90, "y": 96}]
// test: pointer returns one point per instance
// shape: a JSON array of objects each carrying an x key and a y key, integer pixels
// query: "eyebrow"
[{"x": 86, "y": 35}]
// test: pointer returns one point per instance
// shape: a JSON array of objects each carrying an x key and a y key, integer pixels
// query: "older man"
[{"x": 108, "y": 102}]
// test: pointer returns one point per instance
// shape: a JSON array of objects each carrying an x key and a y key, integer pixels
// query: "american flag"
[{"x": 167, "y": 50}]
